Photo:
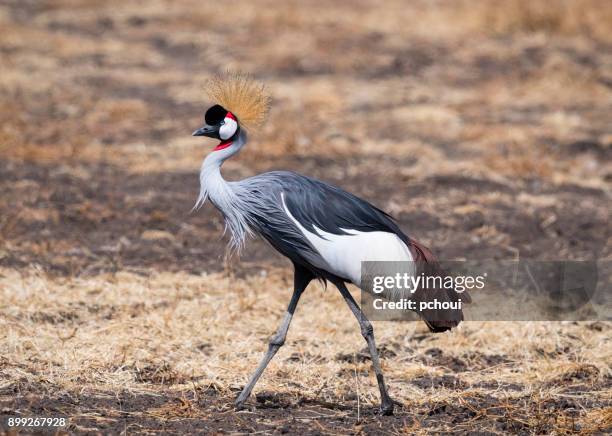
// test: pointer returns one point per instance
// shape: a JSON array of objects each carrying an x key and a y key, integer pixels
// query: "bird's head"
[
  {"x": 219, "y": 123},
  {"x": 241, "y": 103}
]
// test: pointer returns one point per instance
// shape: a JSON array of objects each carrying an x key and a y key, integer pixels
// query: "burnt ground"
[
  {"x": 206, "y": 411},
  {"x": 111, "y": 220}
]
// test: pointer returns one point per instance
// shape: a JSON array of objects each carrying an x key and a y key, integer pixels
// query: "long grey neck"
[{"x": 214, "y": 187}]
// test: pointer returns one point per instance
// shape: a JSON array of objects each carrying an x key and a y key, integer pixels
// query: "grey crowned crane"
[{"x": 325, "y": 231}]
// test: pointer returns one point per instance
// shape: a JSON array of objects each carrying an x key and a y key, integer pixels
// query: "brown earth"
[{"x": 483, "y": 127}]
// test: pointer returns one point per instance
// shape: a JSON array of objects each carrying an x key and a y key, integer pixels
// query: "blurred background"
[{"x": 485, "y": 127}]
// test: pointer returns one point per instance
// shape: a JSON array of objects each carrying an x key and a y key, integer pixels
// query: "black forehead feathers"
[{"x": 214, "y": 115}]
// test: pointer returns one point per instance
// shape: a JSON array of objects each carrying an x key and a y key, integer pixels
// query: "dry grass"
[
  {"x": 484, "y": 126},
  {"x": 565, "y": 17},
  {"x": 179, "y": 332}
]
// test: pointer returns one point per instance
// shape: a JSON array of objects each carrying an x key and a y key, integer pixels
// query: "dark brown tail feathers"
[{"x": 437, "y": 319}]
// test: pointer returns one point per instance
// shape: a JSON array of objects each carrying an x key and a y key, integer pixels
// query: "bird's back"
[{"x": 320, "y": 225}]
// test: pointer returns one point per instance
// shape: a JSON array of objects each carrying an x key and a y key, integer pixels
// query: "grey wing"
[{"x": 314, "y": 204}]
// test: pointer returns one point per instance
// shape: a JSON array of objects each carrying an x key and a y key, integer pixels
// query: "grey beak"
[{"x": 210, "y": 131}]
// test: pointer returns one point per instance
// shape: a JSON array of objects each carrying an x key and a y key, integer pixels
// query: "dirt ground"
[{"x": 484, "y": 127}]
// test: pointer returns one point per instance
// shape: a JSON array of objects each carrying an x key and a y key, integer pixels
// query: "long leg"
[
  {"x": 301, "y": 279},
  {"x": 367, "y": 331}
]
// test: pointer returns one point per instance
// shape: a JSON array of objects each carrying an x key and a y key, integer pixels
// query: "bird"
[{"x": 325, "y": 231}]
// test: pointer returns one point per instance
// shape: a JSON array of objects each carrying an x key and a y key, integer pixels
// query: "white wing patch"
[{"x": 343, "y": 254}]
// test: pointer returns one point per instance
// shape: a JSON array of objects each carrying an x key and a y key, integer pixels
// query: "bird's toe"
[
  {"x": 386, "y": 409},
  {"x": 239, "y": 403}
]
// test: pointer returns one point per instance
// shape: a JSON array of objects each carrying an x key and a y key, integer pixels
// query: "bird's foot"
[
  {"x": 239, "y": 403},
  {"x": 386, "y": 408}
]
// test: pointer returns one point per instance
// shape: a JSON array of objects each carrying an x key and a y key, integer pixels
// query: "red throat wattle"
[{"x": 223, "y": 144}]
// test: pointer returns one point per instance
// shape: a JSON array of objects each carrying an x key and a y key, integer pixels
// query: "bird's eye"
[{"x": 222, "y": 123}]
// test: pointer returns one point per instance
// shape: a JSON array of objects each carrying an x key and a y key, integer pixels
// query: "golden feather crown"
[{"x": 237, "y": 92}]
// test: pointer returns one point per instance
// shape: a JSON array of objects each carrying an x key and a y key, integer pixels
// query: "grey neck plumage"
[{"x": 224, "y": 195}]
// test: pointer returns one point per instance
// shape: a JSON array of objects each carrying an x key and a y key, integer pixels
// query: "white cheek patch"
[{"x": 228, "y": 129}]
